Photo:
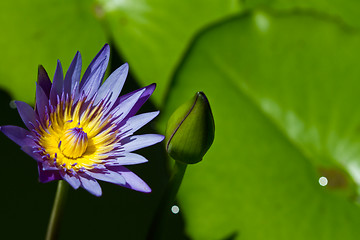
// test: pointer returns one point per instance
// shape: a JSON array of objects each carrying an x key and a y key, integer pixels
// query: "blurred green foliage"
[
  {"x": 282, "y": 78},
  {"x": 282, "y": 97},
  {"x": 40, "y": 32},
  {"x": 153, "y": 35}
]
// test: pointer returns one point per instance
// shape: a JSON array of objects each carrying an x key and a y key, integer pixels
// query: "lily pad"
[
  {"x": 39, "y": 32},
  {"x": 343, "y": 11},
  {"x": 153, "y": 35},
  {"x": 283, "y": 89}
]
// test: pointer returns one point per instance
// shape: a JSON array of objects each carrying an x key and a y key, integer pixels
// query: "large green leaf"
[
  {"x": 39, "y": 32},
  {"x": 153, "y": 35},
  {"x": 283, "y": 89},
  {"x": 341, "y": 10}
]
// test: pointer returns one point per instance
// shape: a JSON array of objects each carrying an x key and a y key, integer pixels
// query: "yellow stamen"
[
  {"x": 78, "y": 139},
  {"x": 73, "y": 143}
]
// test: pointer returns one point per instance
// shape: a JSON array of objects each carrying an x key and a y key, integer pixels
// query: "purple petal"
[
  {"x": 144, "y": 97},
  {"x": 128, "y": 159},
  {"x": 93, "y": 84},
  {"x": 58, "y": 84},
  {"x": 41, "y": 103},
  {"x": 90, "y": 184},
  {"x": 133, "y": 143},
  {"x": 107, "y": 176},
  {"x": 73, "y": 180},
  {"x": 95, "y": 72},
  {"x": 113, "y": 85},
  {"x": 94, "y": 81},
  {"x": 29, "y": 150},
  {"x": 72, "y": 77},
  {"x": 47, "y": 176},
  {"x": 17, "y": 134},
  {"x": 136, "y": 122},
  {"x": 104, "y": 53},
  {"x": 121, "y": 111},
  {"x": 132, "y": 180},
  {"x": 44, "y": 80},
  {"x": 26, "y": 113},
  {"x": 46, "y": 166}
]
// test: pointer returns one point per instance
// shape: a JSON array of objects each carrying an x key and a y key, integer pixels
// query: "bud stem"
[
  {"x": 167, "y": 200},
  {"x": 57, "y": 211},
  {"x": 174, "y": 183}
]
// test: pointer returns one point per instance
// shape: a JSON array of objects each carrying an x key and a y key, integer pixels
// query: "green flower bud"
[{"x": 190, "y": 130}]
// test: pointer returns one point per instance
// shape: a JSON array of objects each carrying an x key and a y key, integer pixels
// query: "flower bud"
[{"x": 190, "y": 130}]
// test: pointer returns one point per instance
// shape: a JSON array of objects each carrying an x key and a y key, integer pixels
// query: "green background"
[{"x": 283, "y": 81}]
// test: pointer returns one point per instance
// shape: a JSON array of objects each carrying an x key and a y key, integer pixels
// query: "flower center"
[{"x": 73, "y": 143}]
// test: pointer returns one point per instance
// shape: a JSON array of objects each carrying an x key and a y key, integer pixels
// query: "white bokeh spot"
[
  {"x": 323, "y": 181},
  {"x": 175, "y": 209}
]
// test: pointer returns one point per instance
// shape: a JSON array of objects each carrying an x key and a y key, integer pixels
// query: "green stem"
[
  {"x": 167, "y": 200},
  {"x": 57, "y": 211},
  {"x": 174, "y": 184}
]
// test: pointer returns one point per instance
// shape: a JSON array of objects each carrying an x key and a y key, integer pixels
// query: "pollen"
[
  {"x": 73, "y": 143},
  {"x": 77, "y": 135}
]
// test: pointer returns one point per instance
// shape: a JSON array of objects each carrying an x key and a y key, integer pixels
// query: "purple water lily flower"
[{"x": 82, "y": 131}]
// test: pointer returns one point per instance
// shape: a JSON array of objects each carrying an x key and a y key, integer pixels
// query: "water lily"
[{"x": 83, "y": 131}]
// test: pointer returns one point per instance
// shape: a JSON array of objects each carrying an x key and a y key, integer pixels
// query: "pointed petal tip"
[
  {"x": 90, "y": 184},
  {"x": 153, "y": 85},
  {"x": 43, "y": 79},
  {"x": 42, "y": 71},
  {"x": 77, "y": 55},
  {"x": 18, "y": 103},
  {"x": 147, "y": 190},
  {"x": 137, "y": 185},
  {"x": 106, "y": 48},
  {"x": 96, "y": 193},
  {"x": 157, "y": 138},
  {"x": 72, "y": 180},
  {"x": 156, "y": 113},
  {"x": 133, "y": 181},
  {"x": 144, "y": 188},
  {"x": 125, "y": 67},
  {"x": 150, "y": 89},
  {"x": 41, "y": 67}
]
